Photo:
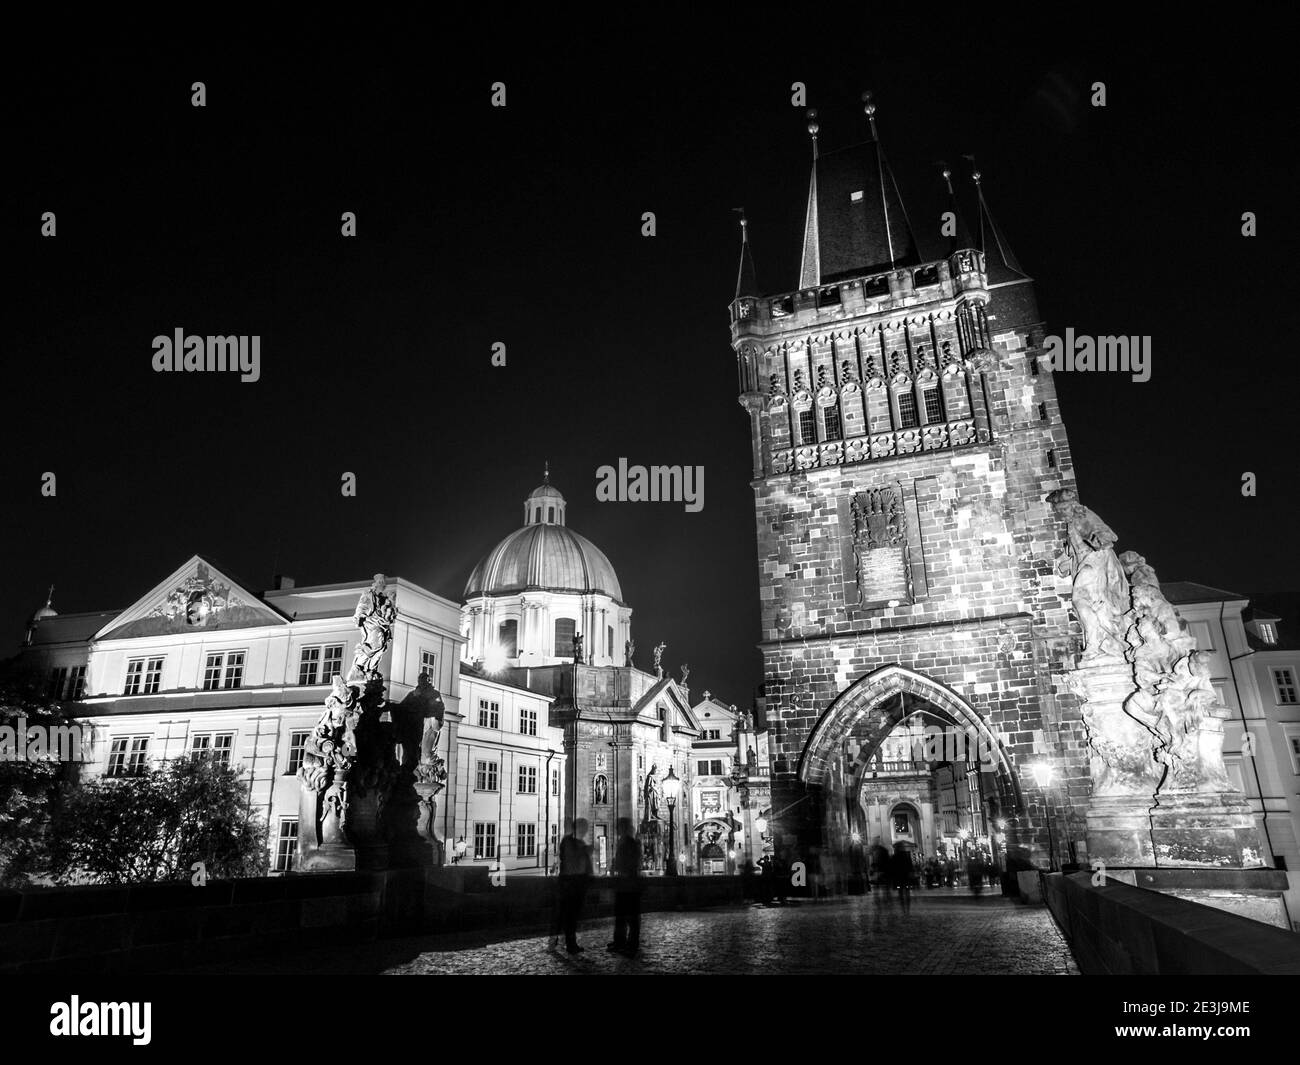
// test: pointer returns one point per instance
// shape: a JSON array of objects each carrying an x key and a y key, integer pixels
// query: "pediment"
[{"x": 197, "y": 597}]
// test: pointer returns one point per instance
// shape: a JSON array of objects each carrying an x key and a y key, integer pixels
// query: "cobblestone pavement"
[{"x": 854, "y": 935}]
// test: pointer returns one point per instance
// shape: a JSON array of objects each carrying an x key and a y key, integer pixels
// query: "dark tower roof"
[{"x": 855, "y": 222}]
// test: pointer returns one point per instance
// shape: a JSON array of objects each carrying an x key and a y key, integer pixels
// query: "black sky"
[{"x": 522, "y": 225}]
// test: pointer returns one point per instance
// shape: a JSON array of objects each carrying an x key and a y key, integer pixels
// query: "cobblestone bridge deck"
[{"x": 857, "y": 935}]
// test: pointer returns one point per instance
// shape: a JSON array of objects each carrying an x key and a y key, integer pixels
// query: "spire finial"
[
  {"x": 975, "y": 174},
  {"x": 947, "y": 176},
  {"x": 869, "y": 109},
  {"x": 546, "y": 472},
  {"x": 813, "y": 129},
  {"x": 744, "y": 224},
  {"x": 49, "y": 598}
]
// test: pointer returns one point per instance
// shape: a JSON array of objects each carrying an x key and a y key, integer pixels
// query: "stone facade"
[{"x": 905, "y": 434}]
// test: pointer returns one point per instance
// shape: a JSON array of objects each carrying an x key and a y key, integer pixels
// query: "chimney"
[{"x": 282, "y": 583}]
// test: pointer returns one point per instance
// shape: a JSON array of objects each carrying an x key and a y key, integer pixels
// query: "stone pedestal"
[
  {"x": 1205, "y": 830},
  {"x": 1122, "y": 764}
]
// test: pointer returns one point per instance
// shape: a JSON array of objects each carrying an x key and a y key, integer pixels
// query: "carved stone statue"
[
  {"x": 375, "y": 614},
  {"x": 652, "y": 794},
  {"x": 659, "y": 658},
  {"x": 751, "y": 758},
  {"x": 577, "y": 647},
  {"x": 1101, "y": 592},
  {"x": 328, "y": 759},
  {"x": 686, "y": 672},
  {"x": 629, "y": 649}
]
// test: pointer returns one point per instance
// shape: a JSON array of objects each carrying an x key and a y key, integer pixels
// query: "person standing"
[
  {"x": 575, "y": 874},
  {"x": 627, "y": 891},
  {"x": 900, "y": 872}
]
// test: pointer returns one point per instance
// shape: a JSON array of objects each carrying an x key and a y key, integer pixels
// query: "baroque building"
[{"x": 544, "y": 613}]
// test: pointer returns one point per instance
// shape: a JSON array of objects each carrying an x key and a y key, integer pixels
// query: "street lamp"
[
  {"x": 760, "y": 823},
  {"x": 1042, "y": 772},
  {"x": 672, "y": 788}
]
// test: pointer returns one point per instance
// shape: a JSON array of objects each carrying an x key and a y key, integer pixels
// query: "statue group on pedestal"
[
  {"x": 355, "y": 762},
  {"x": 1175, "y": 719}
]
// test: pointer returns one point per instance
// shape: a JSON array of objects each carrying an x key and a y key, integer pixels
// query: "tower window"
[
  {"x": 907, "y": 411},
  {"x": 550, "y": 514},
  {"x": 1042, "y": 412},
  {"x": 508, "y": 638},
  {"x": 609, "y": 639},
  {"x": 1033, "y": 366},
  {"x": 933, "y": 408},
  {"x": 1051, "y": 457},
  {"x": 537, "y": 515},
  {"x": 833, "y": 428},
  {"x": 807, "y": 427},
  {"x": 564, "y": 630}
]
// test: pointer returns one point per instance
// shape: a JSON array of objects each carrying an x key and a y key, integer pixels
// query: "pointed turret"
[
  {"x": 1001, "y": 263},
  {"x": 746, "y": 278},
  {"x": 961, "y": 237}
]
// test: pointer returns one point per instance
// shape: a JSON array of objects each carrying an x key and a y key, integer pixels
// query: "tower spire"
[
  {"x": 746, "y": 278},
  {"x": 1005, "y": 254},
  {"x": 960, "y": 237},
  {"x": 810, "y": 268},
  {"x": 906, "y": 239}
]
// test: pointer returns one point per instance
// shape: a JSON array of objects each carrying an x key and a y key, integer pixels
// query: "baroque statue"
[{"x": 1101, "y": 591}]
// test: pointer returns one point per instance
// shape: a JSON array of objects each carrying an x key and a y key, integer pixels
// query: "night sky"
[{"x": 522, "y": 225}]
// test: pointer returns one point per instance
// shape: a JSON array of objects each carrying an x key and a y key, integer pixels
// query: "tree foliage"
[
  {"x": 155, "y": 825},
  {"x": 30, "y": 789}
]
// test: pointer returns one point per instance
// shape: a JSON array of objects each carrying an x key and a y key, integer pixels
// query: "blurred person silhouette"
[
  {"x": 627, "y": 891},
  {"x": 575, "y": 875},
  {"x": 975, "y": 874},
  {"x": 900, "y": 875}
]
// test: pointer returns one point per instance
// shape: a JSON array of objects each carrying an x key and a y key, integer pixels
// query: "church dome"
[{"x": 544, "y": 555}]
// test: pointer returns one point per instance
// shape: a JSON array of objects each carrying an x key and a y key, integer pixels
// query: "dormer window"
[{"x": 1267, "y": 632}]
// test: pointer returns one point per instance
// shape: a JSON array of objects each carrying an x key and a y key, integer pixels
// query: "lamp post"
[
  {"x": 672, "y": 787},
  {"x": 1043, "y": 778}
]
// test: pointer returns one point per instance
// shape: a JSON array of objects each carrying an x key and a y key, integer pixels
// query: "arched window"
[
  {"x": 907, "y": 411},
  {"x": 932, "y": 405},
  {"x": 831, "y": 415},
  {"x": 564, "y": 630},
  {"x": 508, "y": 638},
  {"x": 609, "y": 640},
  {"x": 537, "y": 515},
  {"x": 550, "y": 514},
  {"x": 807, "y": 427}
]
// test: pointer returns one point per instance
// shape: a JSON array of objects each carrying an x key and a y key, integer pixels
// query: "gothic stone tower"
[{"x": 904, "y": 439}]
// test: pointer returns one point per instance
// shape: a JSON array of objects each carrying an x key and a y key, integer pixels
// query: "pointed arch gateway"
[{"x": 870, "y": 707}]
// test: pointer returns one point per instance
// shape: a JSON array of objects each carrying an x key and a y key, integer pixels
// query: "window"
[
  {"x": 485, "y": 776},
  {"x": 537, "y": 515},
  {"x": 485, "y": 840},
  {"x": 807, "y": 427},
  {"x": 1293, "y": 741},
  {"x": 1051, "y": 458},
  {"x": 508, "y": 638},
  {"x": 429, "y": 665},
  {"x": 715, "y": 767},
  {"x": 489, "y": 714},
  {"x": 297, "y": 748},
  {"x": 555, "y": 782},
  {"x": 713, "y": 733},
  {"x": 555, "y": 839},
  {"x": 609, "y": 640},
  {"x": 1267, "y": 633},
  {"x": 309, "y": 666},
  {"x": 143, "y": 676},
  {"x": 527, "y": 722},
  {"x": 832, "y": 416},
  {"x": 286, "y": 847},
  {"x": 933, "y": 407},
  {"x": 227, "y": 663},
  {"x": 68, "y": 682},
  {"x": 907, "y": 411},
  {"x": 663, "y": 725},
  {"x": 702, "y": 767},
  {"x": 564, "y": 629},
  {"x": 1284, "y": 682},
  {"x": 550, "y": 513},
  {"x": 331, "y": 663},
  {"x": 319, "y": 665},
  {"x": 128, "y": 756},
  {"x": 1042, "y": 412},
  {"x": 527, "y": 780},
  {"x": 526, "y": 842},
  {"x": 214, "y": 745}
]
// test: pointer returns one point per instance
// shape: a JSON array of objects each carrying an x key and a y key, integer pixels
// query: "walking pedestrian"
[
  {"x": 627, "y": 892},
  {"x": 900, "y": 873},
  {"x": 575, "y": 874}
]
